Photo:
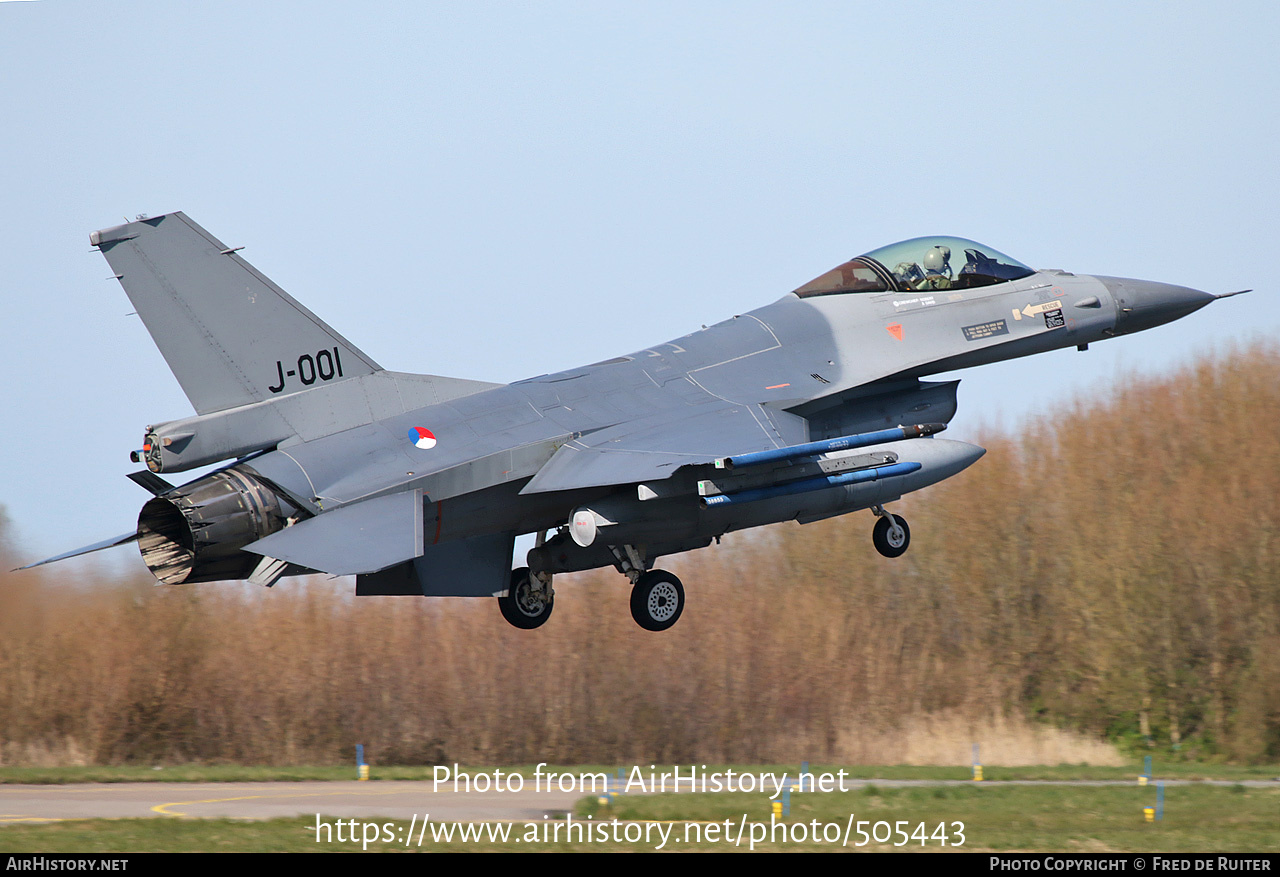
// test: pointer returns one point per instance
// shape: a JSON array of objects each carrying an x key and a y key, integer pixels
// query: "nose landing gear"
[{"x": 891, "y": 535}]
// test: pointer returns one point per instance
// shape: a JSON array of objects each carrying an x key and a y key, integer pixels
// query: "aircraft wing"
[{"x": 655, "y": 448}]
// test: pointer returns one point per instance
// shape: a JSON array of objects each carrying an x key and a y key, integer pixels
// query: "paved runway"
[
  {"x": 394, "y": 800},
  {"x": 390, "y": 799}
]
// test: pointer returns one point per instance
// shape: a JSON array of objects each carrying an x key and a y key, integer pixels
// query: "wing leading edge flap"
[
  {"x": 654, "y": 449},
  {"x": 363, "y": 537}
]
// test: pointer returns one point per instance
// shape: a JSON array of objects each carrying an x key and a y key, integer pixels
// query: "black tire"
[
  {"x": 522, "y": 606},
  {"x": 885, "y": 545},
  {"x": 657, "y": 600}
]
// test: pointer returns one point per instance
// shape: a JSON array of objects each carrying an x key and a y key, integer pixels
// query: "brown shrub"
[{"x": 1112, "y": 569}]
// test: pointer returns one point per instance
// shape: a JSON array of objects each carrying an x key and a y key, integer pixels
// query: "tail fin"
[{"x": 229, "y": 335}]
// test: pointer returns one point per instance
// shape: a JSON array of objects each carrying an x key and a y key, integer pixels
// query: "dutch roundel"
[{"x": 422, "y": 438}]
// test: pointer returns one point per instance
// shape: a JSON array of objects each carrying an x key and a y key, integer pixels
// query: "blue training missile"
[
  {"x": 808, "y": 484},
  {"x": 844, "y": 443}
]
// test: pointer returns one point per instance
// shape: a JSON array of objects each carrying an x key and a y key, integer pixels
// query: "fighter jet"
[{"x": 809, "y": 407}]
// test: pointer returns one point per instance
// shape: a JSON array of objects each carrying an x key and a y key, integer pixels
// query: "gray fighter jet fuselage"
[{"x": 806, "y": 408}]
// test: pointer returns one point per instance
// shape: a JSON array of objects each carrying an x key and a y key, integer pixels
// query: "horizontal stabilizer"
[
  {"x": 122, "y": 539},
  {"x": 363, "y": 537}
]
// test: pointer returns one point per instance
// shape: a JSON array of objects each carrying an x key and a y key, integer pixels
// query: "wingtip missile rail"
[{"x": 825, "y": 446}]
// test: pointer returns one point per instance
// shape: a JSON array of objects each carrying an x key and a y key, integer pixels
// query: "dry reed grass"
[{"x": 1112, "y": 571}]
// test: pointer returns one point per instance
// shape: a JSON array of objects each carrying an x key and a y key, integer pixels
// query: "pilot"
[{"x": 937, "y": 269}]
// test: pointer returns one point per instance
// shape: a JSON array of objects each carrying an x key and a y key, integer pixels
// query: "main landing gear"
[
  {"x": 657, "y": 596},
  {"x": 657, "y": 599},
  {"x": 891, "y": 535},
  {"x": 529, "y": 601}
]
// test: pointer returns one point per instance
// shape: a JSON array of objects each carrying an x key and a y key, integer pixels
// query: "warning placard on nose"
[{"x": 978, "y": 331}]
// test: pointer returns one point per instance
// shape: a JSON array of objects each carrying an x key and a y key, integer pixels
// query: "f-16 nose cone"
[{"x": 1142, "y": 304}]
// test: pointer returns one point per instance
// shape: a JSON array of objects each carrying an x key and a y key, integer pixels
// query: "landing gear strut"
[
  {"x": 891, "y": 535},
  {"x": 657, "y": 596}
]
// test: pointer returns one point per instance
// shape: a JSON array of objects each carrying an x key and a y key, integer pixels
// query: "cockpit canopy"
[{"x": 928, "y": 263}]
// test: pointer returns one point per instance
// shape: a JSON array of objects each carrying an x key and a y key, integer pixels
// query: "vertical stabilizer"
[{"x": 230, "y": 335}]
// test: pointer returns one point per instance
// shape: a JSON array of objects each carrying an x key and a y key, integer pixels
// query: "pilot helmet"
[{"x": 938, "y": 260}]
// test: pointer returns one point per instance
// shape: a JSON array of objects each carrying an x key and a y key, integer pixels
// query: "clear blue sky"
[{"x": 496, "y": 190}]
